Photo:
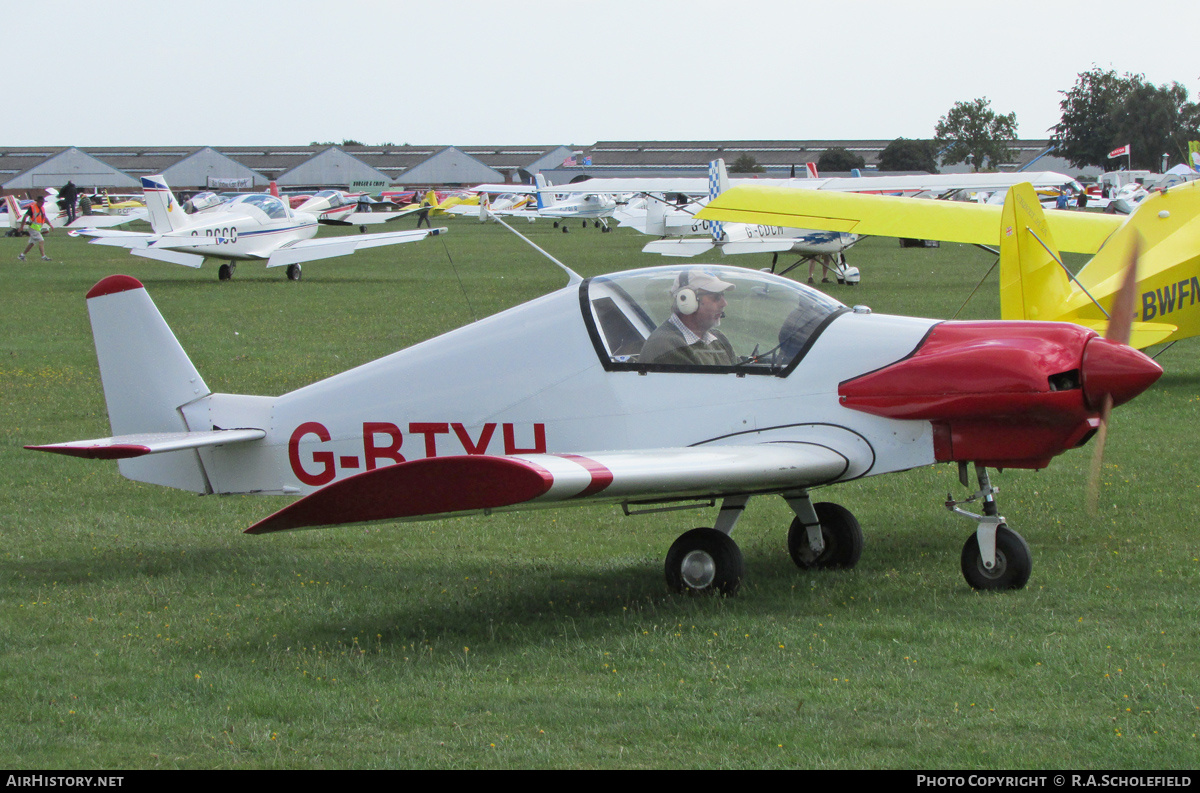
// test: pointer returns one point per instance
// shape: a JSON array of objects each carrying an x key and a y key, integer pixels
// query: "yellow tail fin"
[{"x": 1033, "y": 285}]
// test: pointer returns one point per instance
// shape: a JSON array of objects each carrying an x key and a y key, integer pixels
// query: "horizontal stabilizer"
[
  {"x": 757, "y": 246},
  {"x": 126, "y": 446},
  {"x": 123, "y": 239},
  {"x": 1142, "y": 334},
  {"x": 679, "y": 247},
  {"x": 467, "y": 483}
]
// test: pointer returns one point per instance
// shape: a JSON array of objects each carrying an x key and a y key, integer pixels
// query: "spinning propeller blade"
[{"x": 1120, "y": 325}]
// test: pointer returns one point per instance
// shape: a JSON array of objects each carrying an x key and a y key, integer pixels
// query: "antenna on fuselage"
[{"x": 575, "y": 277}]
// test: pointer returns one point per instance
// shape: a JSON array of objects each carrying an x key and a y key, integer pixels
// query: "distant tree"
[
  {"x": 1104, "y": 111},
  {"x": 837, "y": 158},
  {"x": 975, "y": 134},
  {"x": 904, "y": 154},
  {"x": 352, "y": 142},
  {"x": 746, "y": 164}
]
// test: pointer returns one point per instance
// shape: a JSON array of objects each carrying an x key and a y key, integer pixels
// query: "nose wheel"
[
  {"x": 994, "y": 557},
  {"x": 1011, "y": 563}
]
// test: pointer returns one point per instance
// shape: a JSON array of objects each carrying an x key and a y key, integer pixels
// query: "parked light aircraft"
[
  {"x": 676, "y": 223},
  {"x": 582, "y": 205},
  {"x": 1034, "y": 284},
  {"x": 556, "y": 402},
  {"x": 510, "y": 199},
  {"x": 14, "y": 209},
  {"x": 251, "y": 226}
]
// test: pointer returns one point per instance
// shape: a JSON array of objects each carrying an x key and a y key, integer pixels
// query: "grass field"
[{"x": 142, "y": 629}]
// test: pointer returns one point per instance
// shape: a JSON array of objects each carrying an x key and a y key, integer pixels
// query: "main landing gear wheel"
[
  {"x": 842, "y": 535},
  {"x": 704, "y": 560},
  {"x": 1013, "y": 565},
  {"x": 293, "y": 272},
  {"x": 225, "y": 272}
]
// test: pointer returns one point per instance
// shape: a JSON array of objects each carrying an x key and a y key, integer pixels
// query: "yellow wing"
[{"x": 892, "y": 216}]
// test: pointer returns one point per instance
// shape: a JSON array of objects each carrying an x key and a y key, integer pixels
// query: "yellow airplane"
[{"x": 1034, "y": 284}]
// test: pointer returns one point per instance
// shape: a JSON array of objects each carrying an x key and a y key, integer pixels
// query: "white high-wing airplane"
[
  {"x": 252, "y": 226},
  {"x": 594, "y": 393},
  {"x": 678, "y": 228},
  {"x": 676, "y": 223},
  {"x": 582, "y": 205}
]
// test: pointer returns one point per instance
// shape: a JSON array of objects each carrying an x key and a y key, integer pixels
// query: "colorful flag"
[{"x": 1121, "y": 152}]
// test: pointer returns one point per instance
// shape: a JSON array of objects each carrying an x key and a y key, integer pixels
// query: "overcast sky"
[{"x": 462, "y": 72}]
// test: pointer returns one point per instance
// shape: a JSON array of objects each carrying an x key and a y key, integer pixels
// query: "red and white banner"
[{"x": 1121, "y": 152}]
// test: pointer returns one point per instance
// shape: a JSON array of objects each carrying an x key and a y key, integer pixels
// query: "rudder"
[{"x": 166, "y": 214}]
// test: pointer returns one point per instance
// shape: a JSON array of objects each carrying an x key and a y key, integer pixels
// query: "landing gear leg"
[
  {"x": 823, "y": 535},
  {"x": 995, "y": 556}
]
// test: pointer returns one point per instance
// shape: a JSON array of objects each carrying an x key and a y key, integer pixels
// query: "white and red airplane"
[
  {"x": 558, "y": 402},
  {"x": 252, "y": 226}
]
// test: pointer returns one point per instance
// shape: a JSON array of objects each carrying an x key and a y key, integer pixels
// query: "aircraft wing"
[
  {"x": 681, "y": 246},
  {"x": 891, "y": 216},
  {"x": 121, "y": 239},
  {"x": 375, "y": 218},
  {"x": 106, "y": 221},
  {"x": 437, "y": 486},
  {"x": 503, "y": 188},
  {"x": 903, "y": 184},
  {"x": 330, "y": 247}
]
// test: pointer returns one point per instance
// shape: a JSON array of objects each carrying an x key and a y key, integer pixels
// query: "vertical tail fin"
[
  {"x": 14, "y": 211},
  {"x": 147, "y": 378},
  {"x": 656, "y": 215},
  {"x": 812, "y": 170},
  {"x": 718, "y": 182},
  {"x": 274, "y": 189},
  {"x": 165, "y": 212},
  {"x": 1033, "y": 285},
  {"x": 545, "y": 198}
]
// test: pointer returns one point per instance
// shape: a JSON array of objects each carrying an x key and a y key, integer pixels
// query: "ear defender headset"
[{"x": 686, "y": 301}]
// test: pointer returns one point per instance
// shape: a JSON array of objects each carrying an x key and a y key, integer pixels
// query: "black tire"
[
  {"x": 704, "y": 560},
  {"x": 841, "y": 532},
  {"x": 224, "y": 272},
  {"x": 1014, "y": 563},
  {"x": 293, "y": 272}
]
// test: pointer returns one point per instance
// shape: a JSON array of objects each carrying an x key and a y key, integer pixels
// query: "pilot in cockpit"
[{"x": 690, "y": 337}]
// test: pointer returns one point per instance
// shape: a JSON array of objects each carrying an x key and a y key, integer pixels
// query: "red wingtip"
[{"x": 114, "y": 284}]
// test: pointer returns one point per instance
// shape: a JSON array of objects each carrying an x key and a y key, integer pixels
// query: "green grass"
[{"x": 141, "y": 629}]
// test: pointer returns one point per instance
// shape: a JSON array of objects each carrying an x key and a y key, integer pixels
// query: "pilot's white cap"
[{"x": 700, "y": 281}]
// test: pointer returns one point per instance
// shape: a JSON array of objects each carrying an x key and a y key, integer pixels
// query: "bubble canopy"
[
  {"x": 271, "y": 206},
  {"x": 766, "y": 325}
]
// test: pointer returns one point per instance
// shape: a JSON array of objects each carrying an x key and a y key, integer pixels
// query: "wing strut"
[{"x": 574, "y": 276}]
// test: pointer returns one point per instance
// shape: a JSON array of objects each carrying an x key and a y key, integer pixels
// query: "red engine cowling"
[{"x": 1005, "y": 394}]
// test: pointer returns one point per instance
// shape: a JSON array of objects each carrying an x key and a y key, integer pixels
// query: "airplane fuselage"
[
  {"x": 885, "y": 393},
  {"x": 236, "y": 235}
]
